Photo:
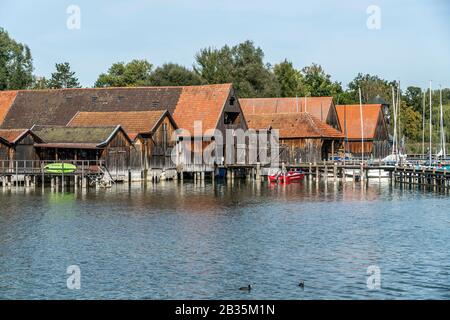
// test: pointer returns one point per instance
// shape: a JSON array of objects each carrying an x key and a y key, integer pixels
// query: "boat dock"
[{"x": 96, "y": 174}]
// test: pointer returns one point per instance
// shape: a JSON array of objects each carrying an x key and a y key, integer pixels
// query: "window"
[
  {"x": 232, "y": 99},
  {"x": 231, "y": 117}
]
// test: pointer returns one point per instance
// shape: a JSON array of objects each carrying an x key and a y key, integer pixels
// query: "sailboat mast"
[
  {"x": 442, "y": 125},
  {"x": 362, "y": 125},
  {"x": 394, "y": 138},
  {"x": 431, "y": 124},
  {"x": 399, "y": 137},
  {"x": 423, "y": 122}
]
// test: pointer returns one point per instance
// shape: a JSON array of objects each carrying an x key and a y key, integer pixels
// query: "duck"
[
  {"x": 247, "y": 288},
  {"x": 302, "y": 284}
]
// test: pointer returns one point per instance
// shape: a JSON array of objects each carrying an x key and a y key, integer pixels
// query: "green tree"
[
  {"x": 39, "y": 83},
  {"x": 16, "y": 64},
  {"x": 289, "y": 79},
  {"x": 318, "y": 83},
  {"x": 171, "y": 74},
  {"x": 411, "y": 123},
  {"x": 63, "y": 77},
  {"x": 371, "y": 86},
  {"x": 414, "y": 98},
  {"x": 133, "y": 74},
  {"x": 243, "y": 65}
]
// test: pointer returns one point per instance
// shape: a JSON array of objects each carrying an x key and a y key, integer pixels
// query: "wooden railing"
[{"x": 33, "y": 167}]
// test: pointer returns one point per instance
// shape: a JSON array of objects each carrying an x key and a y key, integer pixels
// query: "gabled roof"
[
  {"x": 58, "y": 107},
  {"x": 293, "y": 125},
  {"x": 203, "y": 103},
  {"x": 134, "y": 123},
  {"x": 350, "y": 119},
  {"x": 319, "y": 107},
  {"x": 6, "y": 100},
  {"x": 76, "y": 137},
  {"x": 4, "y": 142},
  {"x": 15, "y": 135}
]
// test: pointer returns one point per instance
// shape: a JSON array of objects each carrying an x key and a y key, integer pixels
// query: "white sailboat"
[{"x": 442, "y": 153}]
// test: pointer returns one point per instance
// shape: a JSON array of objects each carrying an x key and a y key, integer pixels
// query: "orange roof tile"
[
  {"x": 350, "y": 119},
  {"x": 319, "y": 107},
  {"x": 6, "y": 100},
  {"x": 133, "y": 123},
  {"x": 203, "y": 103},
  {"x": 298, "y": 125},
  {"x": 12, "y": 135}
]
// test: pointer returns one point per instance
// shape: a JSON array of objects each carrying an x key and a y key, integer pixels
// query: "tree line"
[{"x": 242, "y": 64}]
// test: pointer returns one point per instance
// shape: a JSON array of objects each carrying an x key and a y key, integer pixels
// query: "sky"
[{"x": 405, "y": 40}]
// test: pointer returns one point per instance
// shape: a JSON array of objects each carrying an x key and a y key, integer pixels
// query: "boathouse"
[
  {"x": 216, "y": 107},
  {"x": 374, "y": 131},
  {"x": 109, "y": 144},
  {"x": 18, "y": 144},
  {"x": 321, "y": 108},
  {"x": 303, "y": 137},
  {"x": 151, "y": 132}
]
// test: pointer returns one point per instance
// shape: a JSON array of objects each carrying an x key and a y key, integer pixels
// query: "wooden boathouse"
[
  {"x": 303, "y": 137},
  {"x": 321, "y": 108},
  {"x": 109, "y": 144},
  {"x": 375, "y": 131},
  {"x": 17, "y": 145},
  {"x": 151, "y": 132},
  {"x": 215, "y": 106}
]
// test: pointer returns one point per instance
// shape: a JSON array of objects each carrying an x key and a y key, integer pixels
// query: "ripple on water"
[{"x": 186, "y": 241}]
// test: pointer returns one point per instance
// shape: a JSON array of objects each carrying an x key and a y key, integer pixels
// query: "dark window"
[
  {"x": 93, "y": 99},
  {"x": 231, "y": 117},
  {"x": 232, "y": 99}
]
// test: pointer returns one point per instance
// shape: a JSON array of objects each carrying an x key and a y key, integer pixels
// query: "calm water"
[{"x": 186, "y": 241}]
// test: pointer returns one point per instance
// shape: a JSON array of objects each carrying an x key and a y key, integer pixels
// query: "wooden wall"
[
  {"x": 117, "y": 155},
  {"x": 295, "y": 151},
  {"x": 377, "y": 148}
]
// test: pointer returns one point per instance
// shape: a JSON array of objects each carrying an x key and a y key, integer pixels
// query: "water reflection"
[{"x": 184, "y": 240}]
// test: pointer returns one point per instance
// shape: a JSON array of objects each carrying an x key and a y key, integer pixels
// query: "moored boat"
[
  {"x": 287, "y": 177},
  {"x": 60, "y": 168}
]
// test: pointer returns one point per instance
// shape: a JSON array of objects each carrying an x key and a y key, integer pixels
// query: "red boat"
[{"x": 287, "y": 177}]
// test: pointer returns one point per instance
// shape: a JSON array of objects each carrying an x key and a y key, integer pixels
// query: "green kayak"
[{"x": 60, "y": 168}]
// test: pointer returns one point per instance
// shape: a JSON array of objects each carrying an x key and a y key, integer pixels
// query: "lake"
[{"x": 178, "y": 240}]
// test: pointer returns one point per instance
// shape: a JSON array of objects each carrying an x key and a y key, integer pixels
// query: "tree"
[
  {"x": 243, "y": 65},
  {"x": 371, "y": 86},
  {"x": 16, "y": 64},
  {"x": 63, "y": 77},
  {"x": 411, "y": 122},
  {"x": 133, "y": 74},
  {"x": 171, "y": 74},
  {"x": 39, "y": 83},
  {"x": 318, "y": 83},
  {"x": 414, "y": 98},
  {"x": 289, "y": 79}
]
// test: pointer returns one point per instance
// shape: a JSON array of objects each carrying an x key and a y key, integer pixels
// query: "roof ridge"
[{"x": 118, "y": 88}]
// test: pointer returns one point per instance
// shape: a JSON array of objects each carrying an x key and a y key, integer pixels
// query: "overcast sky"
[{"x": 412, "y": 44}]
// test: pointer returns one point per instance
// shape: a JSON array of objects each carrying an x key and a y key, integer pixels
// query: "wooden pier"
[
  {"x": 95, "y": 174},
  {"x": 33, "y": 173}
]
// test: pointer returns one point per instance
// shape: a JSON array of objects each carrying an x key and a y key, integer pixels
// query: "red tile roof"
[
  {"x": 133, "y": 123},
  {"x": 319, "y": 107},
  {"x": 6, "y": 100},
  {"x": 57, "y": 107},
  {"x": 12, "y": 135},
  {"x": 293, "y": 125},
  {"x": 350, "y": 119},
  {"x": 203, "y": 103}
]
